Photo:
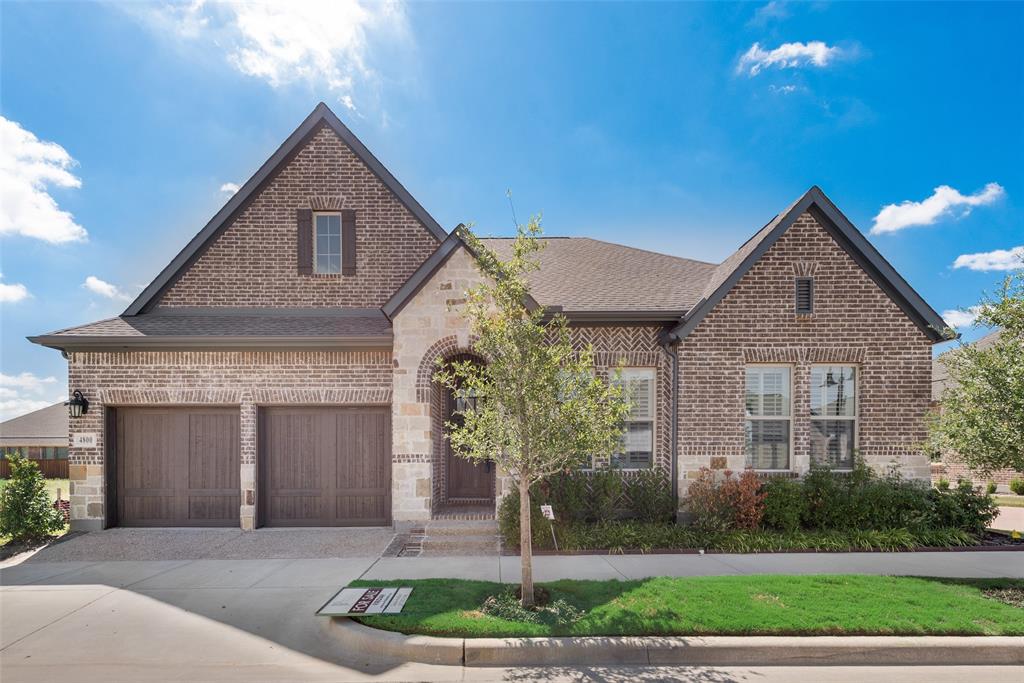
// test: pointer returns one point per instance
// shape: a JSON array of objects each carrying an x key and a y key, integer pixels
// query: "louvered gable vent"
[{"x": 804, "y": 296}]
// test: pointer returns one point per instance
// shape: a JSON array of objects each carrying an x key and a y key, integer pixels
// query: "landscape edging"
[{"x": 688, "y": 650}]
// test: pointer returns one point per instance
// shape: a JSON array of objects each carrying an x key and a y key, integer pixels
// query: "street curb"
[{"x": 695, "y": 650}]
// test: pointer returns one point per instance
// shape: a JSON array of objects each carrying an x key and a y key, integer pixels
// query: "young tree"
[
  {"x": 535, "y": 407},
  {"x": 981, "y": 415},
  {"x": 26, "y": 511}
]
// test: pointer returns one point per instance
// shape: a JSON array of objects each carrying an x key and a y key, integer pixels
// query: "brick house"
[{"x": 279, "y": 370}]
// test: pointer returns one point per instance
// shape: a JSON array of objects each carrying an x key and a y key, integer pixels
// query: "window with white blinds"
[
  {"x": 833, "y": 415},
  {"x": 638, "y": 441},
  {"x": 768, "y": 417}
]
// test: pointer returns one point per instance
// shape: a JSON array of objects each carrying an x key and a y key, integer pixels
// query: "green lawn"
[
  {"x": 1009, "y": 501},
  {"x": 723, "y": 605},
  {"x": 51, "y": 487}
]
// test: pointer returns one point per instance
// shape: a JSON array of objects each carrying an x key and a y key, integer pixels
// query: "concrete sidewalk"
[
  {"x": 335, "y": 572},
  {"x": 978, "y": 564}
]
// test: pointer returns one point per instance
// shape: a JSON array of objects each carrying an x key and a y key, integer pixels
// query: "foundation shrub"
[
  {"x": 784, "y": 505},
  {"x": 723, "y": 502},
  {"x": 650, "y": 496},
  {"x": 605, "y": 494}
]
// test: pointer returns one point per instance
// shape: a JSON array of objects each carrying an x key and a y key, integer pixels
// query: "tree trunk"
[{"x": 525, "y": 543}]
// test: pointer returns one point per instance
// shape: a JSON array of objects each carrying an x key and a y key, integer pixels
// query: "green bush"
[
  {"x": 508, "y": 521},
  {"x": 567, "y": 493},
  {"x": 605, "y": 494},
  {"x": 1017, "y": 486},
  {"x": 990, "y": 488},
  {"x": 26, "y": 511},
  {"x": 942, "y": 484},
  {"x": 650, "y": 496},
  {"x": 784, "y": 505},
  {"x": 963, "y": 508}
]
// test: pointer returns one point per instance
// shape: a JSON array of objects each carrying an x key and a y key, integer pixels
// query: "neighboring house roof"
[
  {"x": 230, "y": 327},
  {"x": 846, "y": 236},
  {"x": 940, "y": 374},
  {"x": 321, "y": 114},
  {"x": 45, "y": 427}
]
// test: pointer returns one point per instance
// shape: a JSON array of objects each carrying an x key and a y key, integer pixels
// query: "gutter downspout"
[{"x": 670, "y": 342}]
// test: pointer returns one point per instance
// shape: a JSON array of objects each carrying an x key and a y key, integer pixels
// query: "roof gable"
[
  {"x": 814, "y": 201},
  {"x": 414, "y": 284},
  {"x": 322, "y": 114}
]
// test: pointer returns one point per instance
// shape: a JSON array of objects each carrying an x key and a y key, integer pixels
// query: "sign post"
[{"x": 549, "y": 514}]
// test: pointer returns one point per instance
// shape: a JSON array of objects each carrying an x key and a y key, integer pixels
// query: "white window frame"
[
  {"x": 652, "y": 374},
  {"x": 316, "y": 241},
  {"x": 855, "y": 418},
  {"x": 772, "y": 418}
]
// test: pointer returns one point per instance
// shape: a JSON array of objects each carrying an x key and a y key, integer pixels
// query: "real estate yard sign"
[{"x": 356, "y": 602}]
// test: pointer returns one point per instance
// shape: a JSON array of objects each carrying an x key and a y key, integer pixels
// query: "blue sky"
[{"x": 675, "y": 127}]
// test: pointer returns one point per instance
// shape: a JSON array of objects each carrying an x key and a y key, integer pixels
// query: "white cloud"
[
  {"x": 326, "y": 43},
  {"x": 945, "y": 201},
  {"x": 29, "y": 167},
  {"x": 20, "y": 394},
  {"x": 769, "y": 12},
  {"x": 12, "y": 293},
  {"x": 230, "y": 188},
  {"x": 105, "y": 289},
  {"x": 999, "y": 259},
  {"x": 788, "y": 56},
  {"x": 783, "y": 89},
  {"x": 961, "y": 318}
]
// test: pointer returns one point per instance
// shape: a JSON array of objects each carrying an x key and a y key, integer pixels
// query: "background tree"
[
  {"x": 981, "y": 416},
  {"x": 536, "y": 406}
]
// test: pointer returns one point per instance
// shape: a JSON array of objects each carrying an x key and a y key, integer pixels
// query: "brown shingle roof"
[
  {"x": 239, "y": 324},
  {"x": 588, "y": 275}
]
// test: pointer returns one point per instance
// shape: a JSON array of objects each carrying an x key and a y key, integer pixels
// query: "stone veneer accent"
[
  {"x": 253, "y": 261},
  {"x": 430, "y": 327},
  {"x": 854, "y": 322},
  {"x": 427, "y": 328},
  {"x": 247, "y": 379}
]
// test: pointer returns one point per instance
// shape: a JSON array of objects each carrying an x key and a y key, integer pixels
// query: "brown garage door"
[
  {"x": 177, "y": 466},
  {"x": 325, "y": 466}
]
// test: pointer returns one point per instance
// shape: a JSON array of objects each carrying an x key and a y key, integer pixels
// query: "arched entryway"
[{"x": 459, "y": 483}]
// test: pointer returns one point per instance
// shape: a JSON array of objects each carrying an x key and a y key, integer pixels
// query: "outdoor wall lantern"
[{"x": 78, "y": 405}]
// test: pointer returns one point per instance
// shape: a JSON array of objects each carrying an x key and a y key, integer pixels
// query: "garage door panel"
[
  {"x": 213, "y": 445},
  {"x": 178, "y": 466},
  {"x": 325, "y": 466}
]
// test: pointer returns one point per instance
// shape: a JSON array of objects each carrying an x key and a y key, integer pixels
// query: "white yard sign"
[{"x": 354, "y": 602}]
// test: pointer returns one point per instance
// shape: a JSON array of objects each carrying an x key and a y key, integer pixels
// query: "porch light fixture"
[{"x": 78, "y": 405}]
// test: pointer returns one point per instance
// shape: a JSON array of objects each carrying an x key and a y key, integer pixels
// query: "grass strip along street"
[{"x": 720, "y": 605}]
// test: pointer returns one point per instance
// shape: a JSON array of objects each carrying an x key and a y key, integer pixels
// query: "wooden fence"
[{"x": 51, "y": 469}]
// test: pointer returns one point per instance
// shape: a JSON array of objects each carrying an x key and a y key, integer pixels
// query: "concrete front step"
[
  {"x": 461, "y": 527},
  {"x": 465, "y": 545}
]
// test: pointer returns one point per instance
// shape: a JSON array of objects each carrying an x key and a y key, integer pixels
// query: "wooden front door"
[
  {"x": 467, "y": 479},
  {"x": 325, "y": 466},
  {"x": 177, "y": 466}
]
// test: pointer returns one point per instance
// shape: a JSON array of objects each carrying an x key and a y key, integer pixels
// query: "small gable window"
[
  {"x": 327, "y": 243},
  {"x": 804, "y": 296}
]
